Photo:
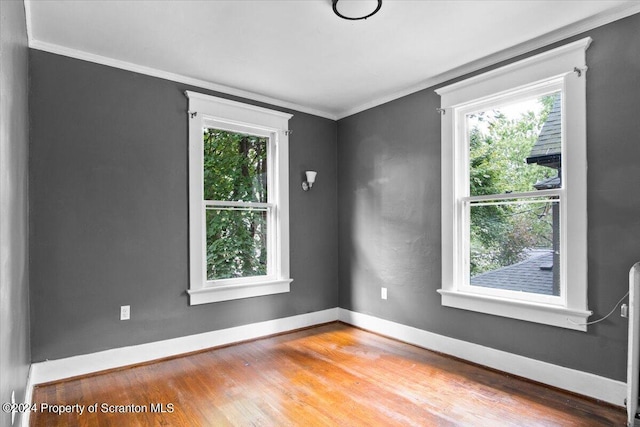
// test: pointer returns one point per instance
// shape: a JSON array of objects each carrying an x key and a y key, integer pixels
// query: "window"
[
  {"x": 514, "y": 226},
  {"x": 238, "y": 200}
]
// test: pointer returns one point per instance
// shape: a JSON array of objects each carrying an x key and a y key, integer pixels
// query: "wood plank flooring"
[{"x": 331, "y": 375}]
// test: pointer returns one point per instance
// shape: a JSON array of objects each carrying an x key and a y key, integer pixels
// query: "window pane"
[
  {"x": 514, "y": 245},
  {"x": 236, "y": 243},
  {"x": 235, "y": 166},
  {"x": 515, "y": 147}
]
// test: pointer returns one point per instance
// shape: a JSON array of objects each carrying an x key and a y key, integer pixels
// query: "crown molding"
[
  {"x": 153, "y": 72},
  {"x": 604, "y": 18},
  {"x": 504, "y": 55}
]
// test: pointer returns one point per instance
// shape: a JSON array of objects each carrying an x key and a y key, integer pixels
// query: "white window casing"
[
  {"x": 562, "y": 68},
  {"x": 206, "y": 112}
]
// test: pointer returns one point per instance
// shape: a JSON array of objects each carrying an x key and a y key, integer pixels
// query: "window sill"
[
  {"x": 238, "y": 291},
  {"x": 523, "y": 310}
]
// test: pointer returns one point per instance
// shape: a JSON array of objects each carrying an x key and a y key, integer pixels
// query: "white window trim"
[
  {"x": 464, "y": 199},
  {"x": 205, "y": 110},
  {"x": 568, "y": 65}
]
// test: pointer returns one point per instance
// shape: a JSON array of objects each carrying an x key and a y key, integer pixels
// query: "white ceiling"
[{"x": 298, "y": 54}]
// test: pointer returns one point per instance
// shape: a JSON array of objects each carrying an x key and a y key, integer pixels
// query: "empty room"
[{"x": 319, "y": 212}]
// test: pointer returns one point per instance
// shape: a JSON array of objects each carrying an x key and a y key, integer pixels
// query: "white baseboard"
[
  {"x": 579, "y": 382},
  {"x": 53, "y": 370},
  {"x": 583, "y": 383},
  {"x": 28, "y": 398}
]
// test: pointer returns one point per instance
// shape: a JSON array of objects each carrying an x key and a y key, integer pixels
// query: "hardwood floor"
[{"x": 329, "y": 375}]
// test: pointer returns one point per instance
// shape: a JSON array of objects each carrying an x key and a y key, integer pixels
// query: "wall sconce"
[{"x": 311, "y": 178}]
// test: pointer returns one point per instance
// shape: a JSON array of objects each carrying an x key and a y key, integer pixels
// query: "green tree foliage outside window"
[
  {"x": 502, "y": 234},
  {"x": 235, "y": 170}
]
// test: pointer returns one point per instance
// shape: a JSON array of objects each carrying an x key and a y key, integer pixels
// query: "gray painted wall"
[
  {"x": 108, "y": 196},
  {"x": 389, "y": 217},
  {"x": 109, "y": 225},
  {"x": 14, "y": 143}
]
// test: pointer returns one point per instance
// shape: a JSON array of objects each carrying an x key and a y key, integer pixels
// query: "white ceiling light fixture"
[{"x": 355, "y": 10}]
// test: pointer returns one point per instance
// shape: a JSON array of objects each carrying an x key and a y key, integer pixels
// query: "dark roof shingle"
[
  {"x": 549, "y": 143},
  {"x": 531, "y": 275}
]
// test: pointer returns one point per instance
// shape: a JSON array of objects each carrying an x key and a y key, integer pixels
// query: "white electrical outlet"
[
  {"x": 383, "y": 293},
  {"x": 125, "y": 312},
  {"x": 624, "y": 310}
]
